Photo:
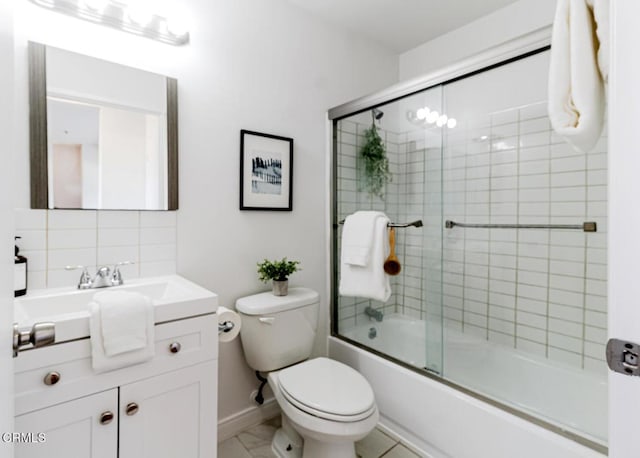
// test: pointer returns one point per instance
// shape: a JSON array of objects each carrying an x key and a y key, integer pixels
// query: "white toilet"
[{"x": 326, "y": 406}]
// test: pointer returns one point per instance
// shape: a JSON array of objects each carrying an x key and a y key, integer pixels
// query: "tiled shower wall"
[
  {"x": 541, "y": 291},
  {"x": 413, "y": 193},
  {"x": 53, "y": 239}
]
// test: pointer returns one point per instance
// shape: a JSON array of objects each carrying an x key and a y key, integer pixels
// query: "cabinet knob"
[
  {"x": 132, "y": 408},
  {"x": 175, "y": 347},
  {"x": 106, "y": 417},
  {"x": 52, "y": 378}
]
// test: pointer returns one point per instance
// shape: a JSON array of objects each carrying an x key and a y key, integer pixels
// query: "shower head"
[{"x": 377, "y": 114}]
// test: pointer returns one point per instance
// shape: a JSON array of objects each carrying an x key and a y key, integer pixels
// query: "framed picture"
[{"x": 266, "y": 171}]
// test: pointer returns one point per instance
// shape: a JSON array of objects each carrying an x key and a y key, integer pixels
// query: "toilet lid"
[{"x": 327, "y": 389}]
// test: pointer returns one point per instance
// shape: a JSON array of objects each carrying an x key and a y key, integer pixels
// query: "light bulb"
[
  {"x": 139, "y": 13},
  {"x": 421, "y": 114},
  {"x": 442, "y": 120},
  {"x": 95, "y": 5},
  {"x": 176, "y": 25},
  {"x": 176, "y": 19},
  {"x": 451, "y": 123},
  {"x": 432, "y": 117}
]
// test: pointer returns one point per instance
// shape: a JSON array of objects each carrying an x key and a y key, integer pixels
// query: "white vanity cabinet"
[
  {"x": 78, "y": 428},
  {"x": 171, "y": 420},
  {"x": 164, "y": 408}
]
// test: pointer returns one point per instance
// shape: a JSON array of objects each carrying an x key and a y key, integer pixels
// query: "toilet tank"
[{"x": 278, "y": 331}]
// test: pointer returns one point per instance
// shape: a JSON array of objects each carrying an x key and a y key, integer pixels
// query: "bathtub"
[{"x": 447, "y": 422}]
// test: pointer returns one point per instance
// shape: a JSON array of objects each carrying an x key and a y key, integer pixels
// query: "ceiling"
[{"x": 400, "y": 25}]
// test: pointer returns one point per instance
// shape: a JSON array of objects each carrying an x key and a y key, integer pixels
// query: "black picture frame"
[{"x": 266, "y": 171}]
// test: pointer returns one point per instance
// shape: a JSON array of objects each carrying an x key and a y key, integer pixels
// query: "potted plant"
[
  {"x": 375, "y": 172},
  {"x": 279, "y": 272}
]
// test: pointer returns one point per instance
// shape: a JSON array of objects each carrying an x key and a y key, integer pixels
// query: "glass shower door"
[
  {"x": 408, "y": 326},
  {"x": 524, "y": 308}
]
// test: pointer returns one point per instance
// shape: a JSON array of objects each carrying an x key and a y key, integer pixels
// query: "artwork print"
[{"x": 266, "y": 171}]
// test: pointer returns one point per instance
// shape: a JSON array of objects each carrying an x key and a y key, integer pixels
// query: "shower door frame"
[{"x": 514, "y": 50}]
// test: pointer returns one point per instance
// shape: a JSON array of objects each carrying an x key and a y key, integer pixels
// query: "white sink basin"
[{"x": 173, "y": 298}]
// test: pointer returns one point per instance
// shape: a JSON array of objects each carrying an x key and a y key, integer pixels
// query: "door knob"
[
  {"x": 39, "y": 335},
  {"x": 132, "y": 408},
  {"x": 52, "y": 378},
  {"x": 106, "y": 417},
  {"x": 175, "y": 347}
]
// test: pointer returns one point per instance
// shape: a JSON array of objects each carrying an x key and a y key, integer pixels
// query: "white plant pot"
[{"x": 280, "y": 287}]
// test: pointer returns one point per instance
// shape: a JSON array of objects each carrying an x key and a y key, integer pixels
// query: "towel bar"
[
  {"x": 589, "y": 226},
  {"x": 417, "y": 223}
]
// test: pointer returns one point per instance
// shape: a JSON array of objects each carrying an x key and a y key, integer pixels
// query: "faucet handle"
[
  {"x": 85, "y": 279},
  {"x": 116, "y": 277}
]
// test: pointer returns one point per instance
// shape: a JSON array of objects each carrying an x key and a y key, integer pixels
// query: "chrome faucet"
[
  {"x": 104, "y": 277},
  {"x": 373, "y": 313}
]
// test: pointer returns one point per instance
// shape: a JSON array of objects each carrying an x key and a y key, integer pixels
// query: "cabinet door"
[
  {"x": 73, "y": 429},
  {"x": 175, "y": 416}
]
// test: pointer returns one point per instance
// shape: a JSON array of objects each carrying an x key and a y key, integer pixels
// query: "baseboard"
[{"x": 238, "y": 422}]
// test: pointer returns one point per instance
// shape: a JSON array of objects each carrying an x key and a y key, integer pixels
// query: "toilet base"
[
  {"x": 283, "y": 447},
  {"x": 321, "y": 449},
  {"x": 287, "y": 443}
]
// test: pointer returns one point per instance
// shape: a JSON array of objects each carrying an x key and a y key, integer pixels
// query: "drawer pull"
[
  {"x": 175, "y": 347},
  {"x": 106, "y": 417},
  {"x": 132, "y": 408},
  {"x": 51, "y": 378}
]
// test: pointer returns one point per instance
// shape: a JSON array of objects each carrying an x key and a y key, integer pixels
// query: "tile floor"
[{"x": 255, "y": 442}]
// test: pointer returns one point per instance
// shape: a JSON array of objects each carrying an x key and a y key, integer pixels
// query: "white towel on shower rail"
[
  {"x": 357, "y": 237},
  {"x": 576, "y": 82},
  {"x": 368, "y": 281}
]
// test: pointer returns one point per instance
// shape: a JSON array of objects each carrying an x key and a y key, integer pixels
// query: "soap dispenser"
[{"x": 19, "y": 273}]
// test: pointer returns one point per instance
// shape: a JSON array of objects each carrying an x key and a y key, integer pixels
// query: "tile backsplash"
[{"x": 54, "y": 239}]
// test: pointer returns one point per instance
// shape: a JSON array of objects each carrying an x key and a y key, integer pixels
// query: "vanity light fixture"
[{"x": 133, "y": 16}]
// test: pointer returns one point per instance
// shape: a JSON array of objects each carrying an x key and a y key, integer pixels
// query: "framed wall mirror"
[{"x": 102, "y": 135}]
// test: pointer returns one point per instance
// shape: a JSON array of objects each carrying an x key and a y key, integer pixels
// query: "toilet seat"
[{"x": 327, "y": 389}]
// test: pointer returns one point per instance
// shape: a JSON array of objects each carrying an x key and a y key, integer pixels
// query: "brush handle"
[{"x": 392, "y": 265}]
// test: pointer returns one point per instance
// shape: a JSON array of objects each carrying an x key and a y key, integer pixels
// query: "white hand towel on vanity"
[
  {"x": 122, "y": 329},
  {"x": 365, "y": 246}
]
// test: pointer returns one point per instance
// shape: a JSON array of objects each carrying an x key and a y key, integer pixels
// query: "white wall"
[
  {"x": 277, "y": 75},
  {"x": 265, "y": 66},
  {"x": 6, "y": 223},
  {"x": 491, "y": 30}
]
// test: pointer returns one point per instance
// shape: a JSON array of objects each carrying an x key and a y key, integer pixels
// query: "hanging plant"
[{"x": 376, "y": 172}]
